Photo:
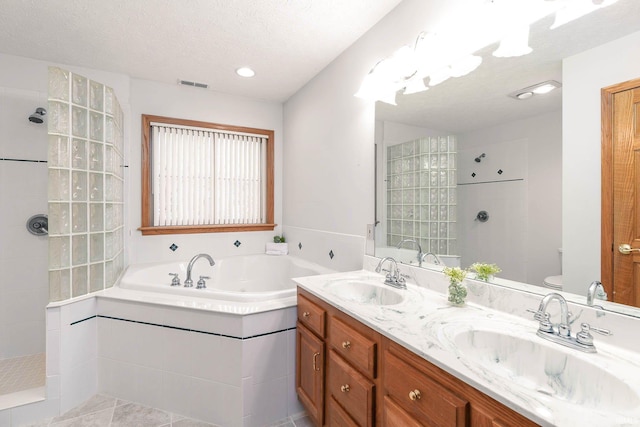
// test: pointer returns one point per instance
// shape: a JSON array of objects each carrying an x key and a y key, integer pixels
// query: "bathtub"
[{"x": 241, "y": 279}]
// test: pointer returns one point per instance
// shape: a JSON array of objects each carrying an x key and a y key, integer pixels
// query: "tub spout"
[{"x": 188, "y": 283}]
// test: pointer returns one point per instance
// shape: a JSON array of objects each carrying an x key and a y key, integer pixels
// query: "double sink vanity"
[{"x": 369, "y": 355}]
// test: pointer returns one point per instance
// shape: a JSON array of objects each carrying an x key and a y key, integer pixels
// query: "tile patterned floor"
[
  {"x": 22, "y": 373},
  {"x": 105, "y": 411}
]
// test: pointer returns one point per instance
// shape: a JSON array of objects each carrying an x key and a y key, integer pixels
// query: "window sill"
[{"x": 194, "y": 229}]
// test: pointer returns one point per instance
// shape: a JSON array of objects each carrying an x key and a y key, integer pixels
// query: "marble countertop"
[{"x": 581, "y": 389}]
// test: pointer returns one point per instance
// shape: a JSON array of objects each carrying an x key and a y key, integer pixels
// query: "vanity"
[{"x": 371, "y": 355}]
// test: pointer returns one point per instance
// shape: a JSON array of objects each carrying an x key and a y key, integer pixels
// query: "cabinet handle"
[
  {"x": 306, "y": 314},
  {"x": 345, "y": 388},
  {"x": 315, "y": 358},
  {"x": 415, "y": 395},
  {"x": 346, "y": 344}
]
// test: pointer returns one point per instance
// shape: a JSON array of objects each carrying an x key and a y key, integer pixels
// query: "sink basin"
[
  {"x": 365, "y": 292},
  {"x": 546, "y": 369}
]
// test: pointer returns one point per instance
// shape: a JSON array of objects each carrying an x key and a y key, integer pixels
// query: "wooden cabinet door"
[
  {"x": 394, "y": 416},
  {"x": 310, "y": 372}
]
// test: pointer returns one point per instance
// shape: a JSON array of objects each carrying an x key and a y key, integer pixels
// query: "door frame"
[{"x": 607, "y": 245}]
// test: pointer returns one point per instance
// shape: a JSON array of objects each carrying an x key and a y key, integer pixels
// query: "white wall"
[
  {"x": 197, "y": 104},
  {"x": 583, "y": 76},
  {"x": 539, "y": 226},
  {"x": 329, "y": 152}
]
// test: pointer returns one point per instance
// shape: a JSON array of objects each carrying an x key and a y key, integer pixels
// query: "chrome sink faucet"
[
  {"x": 561, "y": 333},
  {"x": 393, "y": 277},
  {"x": 188, "y": 283},
  {"x": 436, "y": 259},
  {"x": 415, "y": 242},
  {"x": 596, "y": 290}
]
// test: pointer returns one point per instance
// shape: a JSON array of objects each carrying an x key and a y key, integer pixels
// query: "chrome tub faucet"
[{"x": 188, "y": 283}]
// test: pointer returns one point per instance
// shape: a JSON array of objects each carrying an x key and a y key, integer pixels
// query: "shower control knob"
[{"x": 201, "y": 283}]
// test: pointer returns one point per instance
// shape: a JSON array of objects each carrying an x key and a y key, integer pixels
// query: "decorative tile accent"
[
  {"x": 237, "y": 243},
  {"x": 473, "y": 175},
  {"x": 173, "y": 247},
  {"x": 331, "y": 255},
  {"x": 500, "y": 172},
  {"x": 300, "y": 245}
]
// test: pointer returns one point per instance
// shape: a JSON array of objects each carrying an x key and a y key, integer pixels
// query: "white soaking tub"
[{"x": 248, "y": 278}]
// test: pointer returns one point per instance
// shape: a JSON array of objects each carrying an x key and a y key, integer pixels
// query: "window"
[{"x": 200, "y": 177}]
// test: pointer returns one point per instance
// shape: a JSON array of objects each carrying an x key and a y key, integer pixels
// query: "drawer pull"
[
  {"x": 345, "y": 388},
  {"x": 415, "y": 395},
  {"x": 346, "y": 345},
  {"x": 306, "y": 314},
  {"x": 315, "y": 361}
]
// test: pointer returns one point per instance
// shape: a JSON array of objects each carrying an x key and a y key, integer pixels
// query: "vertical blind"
[{"x": 207, "y": 177}]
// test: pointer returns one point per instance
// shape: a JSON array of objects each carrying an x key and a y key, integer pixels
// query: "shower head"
[
  {"x": 479, "y": 158},
  {"x": 38, "y": 116}
]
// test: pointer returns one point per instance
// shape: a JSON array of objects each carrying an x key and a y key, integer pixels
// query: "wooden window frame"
[{"x": 147, "y": 227}]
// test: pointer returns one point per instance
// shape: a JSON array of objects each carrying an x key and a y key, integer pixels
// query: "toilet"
[{"x": 554, "y": 282}]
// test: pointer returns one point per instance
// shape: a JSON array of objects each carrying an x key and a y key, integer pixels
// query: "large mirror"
[{"x": 473, "y": 174}]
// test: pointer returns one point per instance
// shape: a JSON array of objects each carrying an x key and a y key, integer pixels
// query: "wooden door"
[
  {"x": 620, "y": 192},
  {"x": 310, "y": 373}
]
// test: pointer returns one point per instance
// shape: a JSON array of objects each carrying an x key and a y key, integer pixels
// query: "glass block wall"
[
  {"x": 86, "y": 186},
  {"x": 421, "y": 194}
]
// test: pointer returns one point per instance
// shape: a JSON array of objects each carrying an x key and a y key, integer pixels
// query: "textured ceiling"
[
  {"x": 287, "y": 42},
  {"x": 480, "y": 99}
]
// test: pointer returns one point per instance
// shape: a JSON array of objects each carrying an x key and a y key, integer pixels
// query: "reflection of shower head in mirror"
[{"x": 479, "y": 158}]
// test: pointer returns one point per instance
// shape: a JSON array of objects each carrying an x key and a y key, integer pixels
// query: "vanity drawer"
[
  {"x": 337, "y": 416},
  {"x": 311, "y": 315},
  {"x": 352, "y": 390},
  {"x": 420, "y": 396},
  {"x": 394, "y": 416},
  {"x": 356, "y": 348}
]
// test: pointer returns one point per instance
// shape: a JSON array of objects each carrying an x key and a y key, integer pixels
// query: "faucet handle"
[
  {"x": 585, "y": 337},
  {"x": 201, "y": 283},
  {"x": 176, "y": 280}
]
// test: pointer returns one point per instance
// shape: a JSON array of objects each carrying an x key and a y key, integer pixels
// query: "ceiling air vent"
[{"x": 194, "y": 84}]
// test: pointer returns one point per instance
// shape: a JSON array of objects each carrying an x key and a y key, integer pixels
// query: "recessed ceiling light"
[
  {"x": 537, "y": 89},
  {"x": 245, "y": 72},
  {"x": 524, "y": 95}
]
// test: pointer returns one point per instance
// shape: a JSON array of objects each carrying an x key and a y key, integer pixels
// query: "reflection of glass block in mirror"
[
  {"x": 394, "y": 151},
  {"x": 444, "y": 213},
  {"x": 407, "y": 212},
  {"x": 433, "y": 229},
  {"x": 394, "y": 240},
  {"x": 433, "y": 245},
  {"x": 443, "y": 247},
  {"x": 424, "y": 179},
  {"x": 424, "y": 229},
  {"x": 453, "y": 195},
  {"x": 433, "y": 181},
  {"x": 408, "y": 228},
  {"x": 453, "y": 161},
  {"x": 444, "y": 161},
  {"x": 424, "y": 162},
  {"x": 433, "y": 196},
  {"x": 444, "y": 229},
  {"x": 395, "y": 181},
  {"x": 433, "y": 214},
  {"x": 452, "y": 247},
  {"x": 408, "y": 196},
  {"x": 444, "y": 178},
  {"x": 433, "y": 145},
  {"x": 409, "y": 148},
  {"x": 453, "y": 178},
  {"x": 396, "y": 197},
  {"x": 443, "y": 144},
  {"x": 424, "y": 145},
  {"x": 452, "y": 230},
  {"x": 407, "y": 180},
  {"x": 444, "y": 196},
  {"x": 453, "y": 143},
  {"x": 407, "y": 165},
  {"x": 424, "y": 196},
  {"x": 396, "y": 166},
  {"x": 453, "y": 213},
  {"x": 434, "y": 162},
  {"x": 396, "y": 212}
]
